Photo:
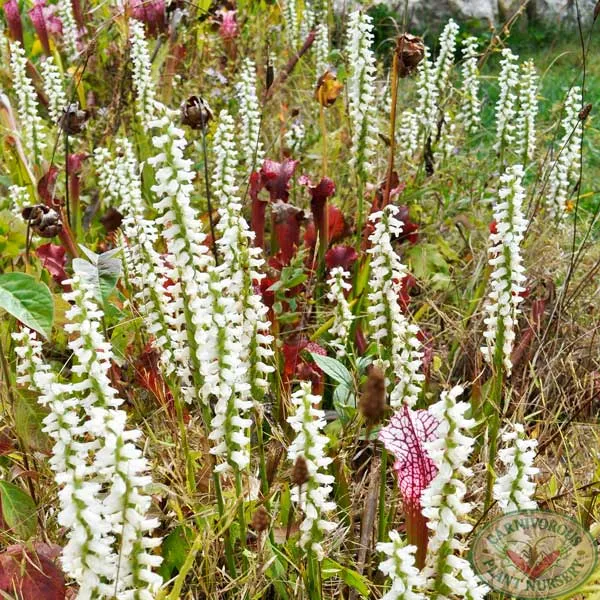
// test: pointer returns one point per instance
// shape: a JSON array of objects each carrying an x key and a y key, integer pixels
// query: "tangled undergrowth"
[{"x": 283, "y": 318}]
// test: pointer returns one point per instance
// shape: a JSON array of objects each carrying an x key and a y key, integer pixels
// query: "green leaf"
[
  {"x": 29, "y": 414},
  {"x": 18, "y": 510},
  {"x": 334, "y": 368},
  {"x": 330, "y": 568},
  {"x": 28, "y": 300},
  {"x": 123, "y": 335},
  {"x": 344, "y": 402},
  {"x": 174, "y": 550},
  {"x": 102, "y": 271}
]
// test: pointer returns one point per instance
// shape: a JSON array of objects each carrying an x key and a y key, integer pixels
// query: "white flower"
[
  {"x": 290, "y": 16},
  {"x": 54, "y": 88},
  {"x": 249, "y": 114},
  {"x": 397, "y": 341},
  {"x": 400, "y": 568},
  {"x": 445, "y": 58},
  {"x": 408, "y": 135},
  {"x": 470, "y": 104},
  {"x": 564, "y": 170},
  {"x": 145, "y": 88},
  {"x": 342, "y": 320},
  {"x": 308, "y": 423},
  {"x": 19, "y": 197},
  {"x": 295, "y": 136},
  {"x": 428, "y": 92},
  {"x": 362, "y": 104},
  {"x": 32, "y": 133},
  {"x": 515, "y": 490},
  {"x": 527, "y": 112},
  {"x": 506, "y": 106},
  {"x": 447, "y": 573},
  {"x": 507, "y": 278},
  {"x": 321, "y": 48},
  {"x": 28, "y": 348},
  {"x": 308, "y": 21},
  {"x": 69, "y": 27}
]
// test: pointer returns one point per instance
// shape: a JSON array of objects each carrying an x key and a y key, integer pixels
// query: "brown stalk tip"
[
  {"x": 372, "y": 401},
  {"x": 260, "y": 519},
  {"x": 195, "y": 112},
  {"x": 410, "y": 51},
  {"x": 43, "y": 220},
  {"x": 73, "y": 119},
  {"x": 300, "y": 471},
  {"x": 585, "y": 112}
]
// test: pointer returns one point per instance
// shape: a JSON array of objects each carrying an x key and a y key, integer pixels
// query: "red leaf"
[
  {"x": 53, "y": 259},
  {"x": 46, "y": 186},
  {"x": 286, "y": 220},
  {"x": 275, "y": 177},
  {"x": 30, "y": 575},
  {"x": 341, "y": 256}
]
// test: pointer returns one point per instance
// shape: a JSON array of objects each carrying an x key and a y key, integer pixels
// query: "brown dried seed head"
[
  {"x": 260, "y": 519},
  {"x": 372, "y": 401},
  {"x": 328, "y": 89},
  {"x": 73, "y": 119},
  {"x": 585, "y": 112},
  {"x": 410, "y": 51},
  {"x": 300, "y": 471},
  {"x": 195, "y": 112}
]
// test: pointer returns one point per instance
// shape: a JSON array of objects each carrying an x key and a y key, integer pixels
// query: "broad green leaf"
[
  {"x": 28, "y": 300},
  {"x": 174, "y": 550},
  {"x": 18, "y": 510},
  {"x": 123, "y": 335},
  {"x": 355, "y": 580},
  {"x": 29, "y": 414},
  {"x": 334, "y": 368},
  {"x": 344, "y": 402},
  {"x": 102, "y": 271}
]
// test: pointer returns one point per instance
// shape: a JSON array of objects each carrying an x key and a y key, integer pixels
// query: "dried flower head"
[
  {"x": 410, "y": 51},
  {"x": 260, "y": 519},
  {"x": 328, "y": 89},
  {"x": 43, "y": 220},
  {"x": 372, "y": 400},
  {"x": 73, "y": 119},
  {"x": 300, "y": 471},
  {"x": 195, "y": 112}
]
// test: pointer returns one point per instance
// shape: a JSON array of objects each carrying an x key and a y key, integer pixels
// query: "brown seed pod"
[
  {"x": 43, "y": 220},
  {"x": 260, "y": 519},
  {"x": 409, "y": 51},
  {"x": 300, "y": 471},
  {"x": 73, "y": 119},
  {"x": 585, "y": 112},
  {"x": 372, "y": 400},
  {"x": 195, "y": 112}
]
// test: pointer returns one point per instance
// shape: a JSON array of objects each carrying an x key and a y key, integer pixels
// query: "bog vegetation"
[{"x": 287, "y": 312}]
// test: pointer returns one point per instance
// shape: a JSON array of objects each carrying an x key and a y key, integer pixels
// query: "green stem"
[{"x": 382, "y": 527}]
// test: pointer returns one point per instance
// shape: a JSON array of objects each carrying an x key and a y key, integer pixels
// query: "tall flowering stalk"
[
  {"x": 445, "y": 59},
  {"x": 507, "y": 278},
  {"x": 69, "y": 27},
  {"x": 399, "y": 566},
  {"x": 146, "y": 104},
  {"x": 361, "y": 94},
  {"x": 396, "y": 337},
  {"x": 408, "y": 135},
  {"x": 290, "y": 17},
  {"x": 448, "y": 574},
  {"x": 102, "y": 474},
  {"x": 527, "y": 112},
  {"x": 250, "y": 117},
  {"x": 313, "y": 489},
  {"x": 515, "y": 489},
  {"x": 339, "y": 285},
  {"x": 32, "y": 133},
  {"x": 506, "y": 106},
  {"x": 470, "y": 103},
  {"x": 428, "y": 93},
  {"x": 565, "y": 169},
  {"x": 321, "y": 48},
  {"x": 54, "y": 88}
]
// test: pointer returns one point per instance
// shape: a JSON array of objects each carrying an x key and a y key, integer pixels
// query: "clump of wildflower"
[
  {"x": 187, "y": 252},
  {"x": 361, "y": 92},
  {"x": 396, "y": 337},
  {"x": 342, "y": 321},
  {"x": 565, "y": 169},
  {"x": 28, "y": 348},
  {"x": 527, "y": 113},
  {"x": 146, "y": 103},
  {"x": 515, "y": 489},
  {"x": 32, "y": 134},
  {"x": 69, "y": 27},
  {"x": 445, "y": 58},
  {"x": 470, "y": 104},
  {"x": 408, "y": 135},
  {"x": 308, "y": 21},
  {"x": 54, "y": 88},
  {"x": 321, "y": 48},
  {"x": 400, "y": 568},
  {"x": 506, "y": 106},
  {"x": 428, "y": 93},
  {"x": 506, "y": 281},
  {"x": 121, "y": 180},
  {"x": 309, "y": 444},
  {"x": 447, "y": 573},
  {"x": 249, "y": 113}
]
